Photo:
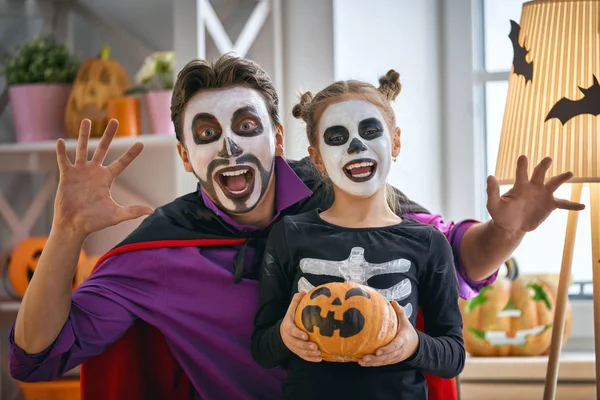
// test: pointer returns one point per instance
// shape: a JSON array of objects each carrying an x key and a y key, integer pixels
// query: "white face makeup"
[
  {"x": 356, "y": 146},
  {"x": 231, "y": 145}
]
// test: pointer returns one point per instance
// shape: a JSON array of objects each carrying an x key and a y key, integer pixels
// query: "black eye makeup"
[
  {"x": 205, "y": 128},
  {"x": 370, "y": 128},
  {"x": 246, "y": 122},
  {"x": 336, "y": 135}
]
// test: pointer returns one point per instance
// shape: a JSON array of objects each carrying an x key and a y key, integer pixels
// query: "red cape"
[{"x": 139, "y": 366}]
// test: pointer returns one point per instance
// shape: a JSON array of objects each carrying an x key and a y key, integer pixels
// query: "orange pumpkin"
[
  {"x": 512, "y": 317},
  {"x": 84, "y": 269},
  {"x": 346, "y": 320},
  {"x": 24, "y": 260},
  {"x": 98, "y": 81}
]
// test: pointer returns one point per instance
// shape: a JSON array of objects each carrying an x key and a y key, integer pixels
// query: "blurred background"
[{"x": 454, "y": 58}]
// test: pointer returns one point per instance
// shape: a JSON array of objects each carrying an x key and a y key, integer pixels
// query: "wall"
[
  {"x": 370, "y": 38},
  {"x": 308, "y": 42}
]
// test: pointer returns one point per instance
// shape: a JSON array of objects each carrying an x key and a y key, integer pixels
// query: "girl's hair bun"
[
  {"x": 299, "y": 111},
  {"x": 389, "y": 85}
]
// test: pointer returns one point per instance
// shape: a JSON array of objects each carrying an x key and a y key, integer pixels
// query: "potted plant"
[
  {"x": 39, "y": 77},
  {"x": 155, "y": 80}
]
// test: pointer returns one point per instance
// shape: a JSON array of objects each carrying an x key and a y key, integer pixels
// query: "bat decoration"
[
  {"x": 520, "y": 64},
  {"x": 353, "y": 322},
  {"x": 566, "y": 109}
]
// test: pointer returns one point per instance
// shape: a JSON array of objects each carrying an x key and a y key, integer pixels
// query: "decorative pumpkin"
[
  {"x": 84, "y": 269},
  {"x": 346, "y": 320},
  {"x": 24, "y": 260},
  {"x": 98, "y": 81},
  {"x": 512, "y": 317}
]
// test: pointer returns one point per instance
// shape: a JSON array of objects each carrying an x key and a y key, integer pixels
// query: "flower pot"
[
  {"x": 126, "y": 110},
  {"x": 39, "y": 110},
  {"x": 158, "y": 108}
]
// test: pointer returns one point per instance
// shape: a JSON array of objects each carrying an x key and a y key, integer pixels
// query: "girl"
[{"x": 353, "y": 138}]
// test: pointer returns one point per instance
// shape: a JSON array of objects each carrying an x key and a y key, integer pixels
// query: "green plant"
[{"x": 41, "y": 60}]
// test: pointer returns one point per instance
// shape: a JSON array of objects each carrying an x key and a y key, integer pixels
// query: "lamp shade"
[{"x": 553, "y": 103}]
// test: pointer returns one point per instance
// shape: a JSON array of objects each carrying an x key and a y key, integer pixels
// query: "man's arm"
[
  {"x": 122, "y": 288},
  {"x": 45, "y": 306},
  {"x": 485, "y": 247}
]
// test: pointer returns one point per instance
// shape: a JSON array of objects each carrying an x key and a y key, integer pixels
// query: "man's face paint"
[
  {"x": 355, "y": 145},
  {"x": 231, "y": 145}
]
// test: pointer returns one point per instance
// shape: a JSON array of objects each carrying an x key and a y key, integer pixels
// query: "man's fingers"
[
  {"x": 493, "y": 190},
  {"x": 82, "y": 141},
  {"x": 132, "y": 212},
  {"x": 539, "y": 172},
  {"x": 117, "y": 166},
  {"x": 556, "y": 181},
  {"x": 104, "y": 144},
  {"x": 522, "y": 176},
  {"x": 568, "y": 205},
  {"x": 61, "y": 155}
]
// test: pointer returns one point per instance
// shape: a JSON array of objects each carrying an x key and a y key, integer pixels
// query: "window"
[{"x": 541, "y": 250}]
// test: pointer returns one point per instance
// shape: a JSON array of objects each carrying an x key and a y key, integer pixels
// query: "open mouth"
[
  {"x": 360, "y": 170},
  {"x": 236, "y": 182}
]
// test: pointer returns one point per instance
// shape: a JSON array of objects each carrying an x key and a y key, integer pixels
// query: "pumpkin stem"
[
  {"x": 512, "y": 269},
  {"x": 104, "y": 53}
]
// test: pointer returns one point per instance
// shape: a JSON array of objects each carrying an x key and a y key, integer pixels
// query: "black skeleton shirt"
[{"x": 411, "y": 263}]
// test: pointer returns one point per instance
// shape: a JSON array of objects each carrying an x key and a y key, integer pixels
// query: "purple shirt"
[{"x": 164, "y": 287}]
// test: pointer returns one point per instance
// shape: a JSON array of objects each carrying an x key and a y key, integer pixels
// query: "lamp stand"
[{"x": 563, "y": 288}]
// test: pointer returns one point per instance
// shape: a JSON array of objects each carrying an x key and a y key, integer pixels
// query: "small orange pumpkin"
[
  {"x": 346, "y": 320},
  {"x": 24, "y": 260},
  {"x": 512, "y": 317},
  {"x": 98, "y": 81}
]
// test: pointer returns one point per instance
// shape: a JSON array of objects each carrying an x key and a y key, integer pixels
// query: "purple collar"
[{"x": 289, "y": 189}]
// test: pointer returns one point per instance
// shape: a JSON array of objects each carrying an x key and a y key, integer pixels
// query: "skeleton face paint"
[
  {"x": 356, "y": 146},
  {"x": 231, "y": 144}
]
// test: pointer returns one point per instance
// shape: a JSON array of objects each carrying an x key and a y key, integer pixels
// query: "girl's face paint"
[
  {"x": 231, "y": 145},
  {"x": 356, "y": 147}
]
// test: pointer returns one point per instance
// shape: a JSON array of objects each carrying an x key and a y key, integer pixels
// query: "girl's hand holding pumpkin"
[
  {"x": 295, "y": 339},
  {"x": 403, "y": 346},
  {"x": 83, "y": 201}
]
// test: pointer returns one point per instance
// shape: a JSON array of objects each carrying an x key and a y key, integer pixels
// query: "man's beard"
[{"x": 240, "y": 206}]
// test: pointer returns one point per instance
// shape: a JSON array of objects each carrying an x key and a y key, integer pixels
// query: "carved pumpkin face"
[
  {"x": 98, "y": 81},
  {"x": 23, "y": 263},
  {"x": 346, "y": 320},
  {"x": 511, "y": 317}
]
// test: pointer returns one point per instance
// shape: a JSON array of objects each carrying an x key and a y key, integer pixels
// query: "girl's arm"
[
  {"x": 441, "y": 349},
  {"x": 268, "y": 348}
]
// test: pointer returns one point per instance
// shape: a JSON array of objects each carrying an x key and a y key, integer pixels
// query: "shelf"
[
  {"x": 119, "y": 143},
  {"x": 574, "y": 366},
  {"x": 9, "y": 306}
]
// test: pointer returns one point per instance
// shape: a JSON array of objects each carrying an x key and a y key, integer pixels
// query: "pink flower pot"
[
  {"x": 39, "y": 111},
  {"x": 158, "y": 109}
]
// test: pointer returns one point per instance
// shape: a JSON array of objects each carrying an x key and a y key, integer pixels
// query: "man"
[{"x": 175, "y": 302}]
